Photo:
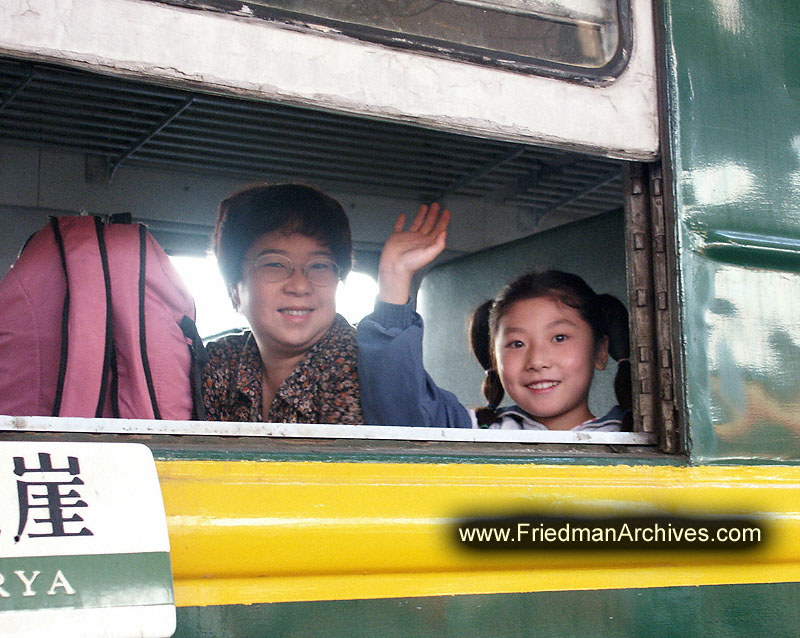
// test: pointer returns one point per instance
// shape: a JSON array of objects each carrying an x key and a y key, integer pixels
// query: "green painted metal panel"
[
  {"x": 571, "y": 455},
  {"x": 725, "y": 611},
  {"x": 98, "y": 580},
  {"x": 733, "y": 87}
]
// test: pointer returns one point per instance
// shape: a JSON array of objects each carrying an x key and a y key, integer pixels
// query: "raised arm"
[
  {"x": 406, "y": 252},
  {"x": 395, "y": 389}
]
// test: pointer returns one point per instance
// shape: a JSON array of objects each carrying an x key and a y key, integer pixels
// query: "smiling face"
[
  {"x": 546, "y": 356},
  {"x": 287, "y": 317}
]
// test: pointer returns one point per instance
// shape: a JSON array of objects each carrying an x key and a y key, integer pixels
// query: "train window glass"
[
  {"x": 355, "y": 296},
  {"x": 214, "y": 312},
  {"x": 577, "y": 33}
]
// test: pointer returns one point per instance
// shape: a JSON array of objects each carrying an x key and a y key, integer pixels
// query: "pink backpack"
[{"x": 95, "y": 322}]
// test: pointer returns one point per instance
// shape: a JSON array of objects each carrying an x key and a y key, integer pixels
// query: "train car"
[{"x": 651, "y": 146}]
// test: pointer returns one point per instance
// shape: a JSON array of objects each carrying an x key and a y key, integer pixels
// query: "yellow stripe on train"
[{"x": 254, "y": 532}]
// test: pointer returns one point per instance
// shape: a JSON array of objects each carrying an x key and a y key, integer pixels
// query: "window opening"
[
  {"x": 355, "y": 296},
  {"x": 214, "y": 311},
  {"x": 503, "y": 191}
]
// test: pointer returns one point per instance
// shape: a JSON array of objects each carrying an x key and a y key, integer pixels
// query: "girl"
[{"x": 540, "y": 341}]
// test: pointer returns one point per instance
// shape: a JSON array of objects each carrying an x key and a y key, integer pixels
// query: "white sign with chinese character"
[{"x": 84, "y": 550}]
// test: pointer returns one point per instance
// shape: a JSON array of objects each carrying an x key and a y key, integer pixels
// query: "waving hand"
[{"x": 407, "y": 251}]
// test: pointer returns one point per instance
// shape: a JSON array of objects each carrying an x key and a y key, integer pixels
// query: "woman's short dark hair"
[{"x": 263, "y": 208}]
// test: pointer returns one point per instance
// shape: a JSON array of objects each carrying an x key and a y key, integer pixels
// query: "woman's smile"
[
  {"x": 288, "y": 316},
  {"x": 297, "y": 313}
]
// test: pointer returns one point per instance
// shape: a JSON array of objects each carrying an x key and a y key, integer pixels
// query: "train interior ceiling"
[{"x": 73, "y": 141}]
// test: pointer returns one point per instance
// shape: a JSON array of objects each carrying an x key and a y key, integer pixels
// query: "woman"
[{"x": 282, "y": 250}]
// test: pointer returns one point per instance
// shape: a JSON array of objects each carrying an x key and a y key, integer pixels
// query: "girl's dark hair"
[
  {"x": 605, "y": 314},
  {"x": 262, "y": 208},
  {"x": 481, "y": 344}
]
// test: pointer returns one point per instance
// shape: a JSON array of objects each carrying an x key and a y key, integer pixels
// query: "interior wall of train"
[{"x": 180, "y": 204}]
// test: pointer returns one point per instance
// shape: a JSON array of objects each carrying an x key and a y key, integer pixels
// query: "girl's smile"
[
  {"x": 546, "y": 356},
  {"x": 542, "y": 386}
]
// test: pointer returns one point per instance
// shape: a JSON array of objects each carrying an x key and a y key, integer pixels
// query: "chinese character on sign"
[{"x": 50, "y": 498}]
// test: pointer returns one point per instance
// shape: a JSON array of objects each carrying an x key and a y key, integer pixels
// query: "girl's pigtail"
[
  {"x": 479, "y": 334},
  {"x": 619, "y": 347},
  {"x": 494, "y": 393},
  {"x": 480, "y": 343},
  {"x": 623, "y": 390}
]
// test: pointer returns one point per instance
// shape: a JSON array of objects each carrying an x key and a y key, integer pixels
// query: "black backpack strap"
[
  {"x": 117, "y": 218},
  {"x": 114, "y": 383},
  {"x": 62, "y": 363},
  {"x": 199, "y": 360},
  {"x": 120, "y": 218},
  {"x": 109, "y": 356},
  {"x": 151, "y": 389}
]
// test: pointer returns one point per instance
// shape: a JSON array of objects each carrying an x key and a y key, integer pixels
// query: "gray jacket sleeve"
[{"x": 395, "y": 389}]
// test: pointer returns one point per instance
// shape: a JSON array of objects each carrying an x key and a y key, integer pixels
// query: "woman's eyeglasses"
[{"x": 276, "y": 268}]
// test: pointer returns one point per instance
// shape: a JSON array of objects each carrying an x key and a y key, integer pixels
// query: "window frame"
[{"x": 598, "y": 76}]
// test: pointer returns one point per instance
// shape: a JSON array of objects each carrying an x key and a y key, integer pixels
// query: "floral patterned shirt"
[{"x": 323, "y": 388}]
